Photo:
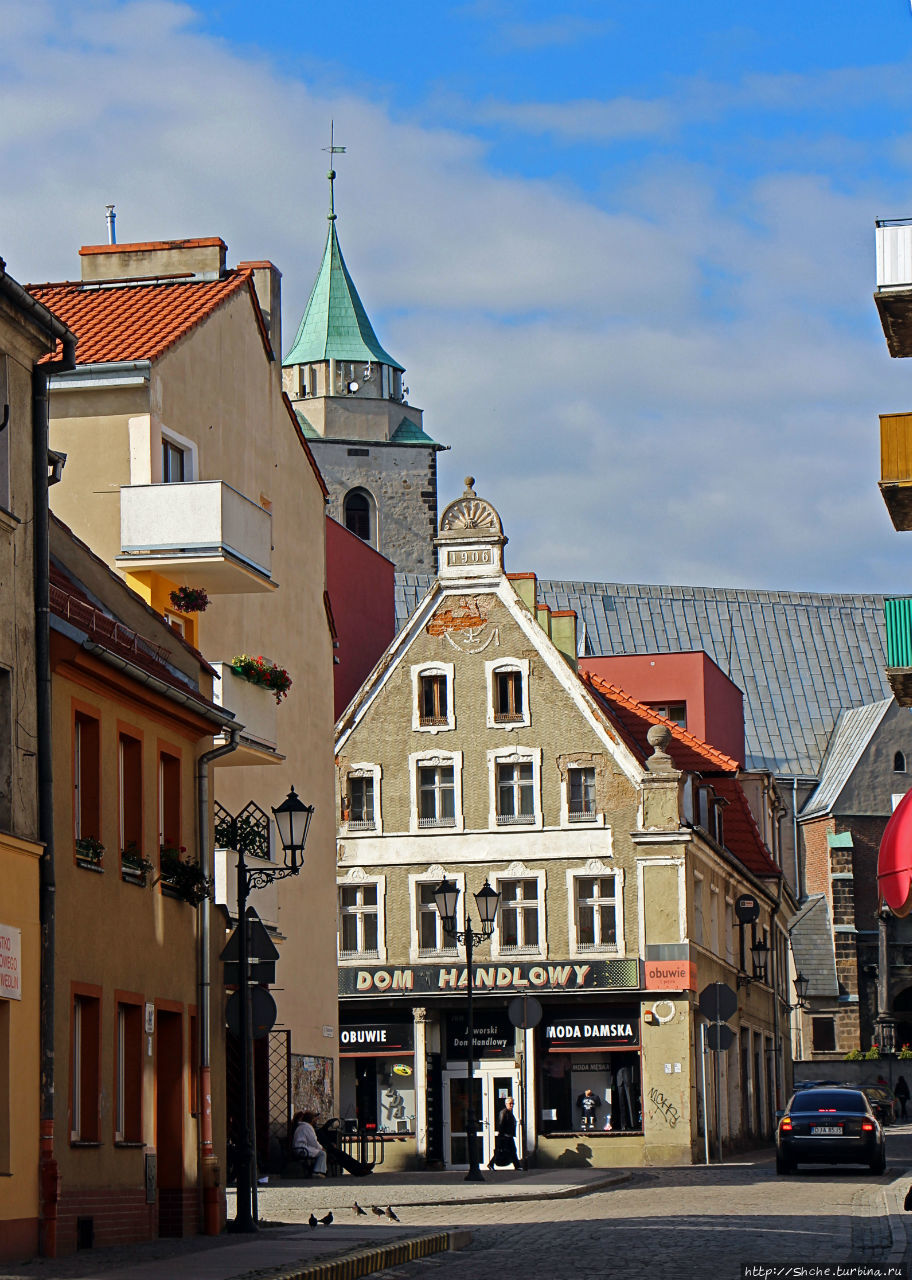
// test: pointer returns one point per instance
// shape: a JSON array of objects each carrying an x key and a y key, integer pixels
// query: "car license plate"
[{"x": 826, "y": 1131}]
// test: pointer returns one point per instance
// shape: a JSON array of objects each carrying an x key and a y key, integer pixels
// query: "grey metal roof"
[
  {"x": 812, "y": 947},
  {"x": 854, "y": 730},
  {"x": 800, "y": 658}
]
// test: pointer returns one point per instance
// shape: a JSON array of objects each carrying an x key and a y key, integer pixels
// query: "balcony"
[
  {"x": 200, "y": 532},
  {"x": 896, "y": 467},
  {"x": 894, "y": 283},
  {"x": 255, "y": 708},
  {"x": 898, "y": 618}
]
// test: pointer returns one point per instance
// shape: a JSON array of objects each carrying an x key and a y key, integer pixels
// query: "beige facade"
[
  {"x": 27, "y": 333},
  {"x": 475, "y": 752},
  {"x": 187, "y": 468}
]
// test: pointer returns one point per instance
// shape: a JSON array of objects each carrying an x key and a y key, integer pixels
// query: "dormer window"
[
  {"x": 432, "y": 697},
  {"x": 508, "y": 693}
]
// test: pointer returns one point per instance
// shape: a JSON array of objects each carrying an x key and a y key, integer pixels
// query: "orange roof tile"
[
  {"x": 136, "y": 321},
  {"x": 689, "y": 752}
]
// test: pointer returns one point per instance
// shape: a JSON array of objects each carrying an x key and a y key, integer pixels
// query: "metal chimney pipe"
[{"x": 110, "y": 216}]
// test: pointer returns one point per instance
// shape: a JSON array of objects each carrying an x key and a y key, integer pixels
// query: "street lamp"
[
  {"x": 292, "y": 819},
  {"x": 801, "y": 984},
  {"x": 759, "y": 956},
  {"x": 446, "y": 897}
]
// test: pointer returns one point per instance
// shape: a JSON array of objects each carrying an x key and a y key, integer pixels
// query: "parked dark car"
[
  {"x": 883, "y": 1102},
  {"x": 830, "y": 1126}
]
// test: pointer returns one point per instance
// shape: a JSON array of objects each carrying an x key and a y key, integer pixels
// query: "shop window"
[
  {"x": 86, "y": 777},
  {"x": 515, "y": 793},
  {"x": 361, "y": 803},
  {"x": 129, "y": 1065},
  {"x": 359, "y": 921},
  {"x": 581, "y": 794},
  {"x": 595, "y": 910},
  {"x": 517, "y": 921},
  {"x": 823, "y": 1035},
  {"x": 612, "y": 1103},
  {"x": 436, "y": 796},
  {"x": 131, "y": 814},
  {"x": 85, "y": 1066}
]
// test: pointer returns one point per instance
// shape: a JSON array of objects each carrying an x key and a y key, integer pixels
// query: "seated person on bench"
[{"x": 304, "y": 1143}]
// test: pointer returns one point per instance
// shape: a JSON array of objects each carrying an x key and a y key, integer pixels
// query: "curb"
[
  {"x": 564, "y": 1193},
  {"x": 365, "y": 1261}
]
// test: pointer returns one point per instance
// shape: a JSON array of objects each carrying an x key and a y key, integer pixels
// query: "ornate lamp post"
[
  {"x": 446, "y": 897},
  {"x": 292, "y": 819}
]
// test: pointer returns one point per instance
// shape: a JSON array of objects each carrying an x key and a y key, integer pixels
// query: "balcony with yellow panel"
[{"x": 896, "y": 467}]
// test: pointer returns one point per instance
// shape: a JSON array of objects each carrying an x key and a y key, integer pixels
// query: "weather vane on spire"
[{"x": 333, "y": 151}]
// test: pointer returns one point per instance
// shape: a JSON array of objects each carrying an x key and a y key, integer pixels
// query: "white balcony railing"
[
  {"x": 253, "y": 705},
  {"x": 204, "y": 529},
  {"x": 893, "y": 240}
]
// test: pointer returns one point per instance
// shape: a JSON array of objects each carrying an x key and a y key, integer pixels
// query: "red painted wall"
[
  {"x": 715, "y": 704},
  {"x": 362, "y": 592}
]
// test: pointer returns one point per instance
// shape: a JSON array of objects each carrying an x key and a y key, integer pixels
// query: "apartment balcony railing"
[
  {"x": 200, "y": 533},
  {"x": 898, "y": 618},
  {"x": 255, "y": 708},
  {"x": 894, "y": 283}
]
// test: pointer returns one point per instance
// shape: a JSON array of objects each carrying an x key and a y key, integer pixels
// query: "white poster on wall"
[{"x": 10, "y": 963}]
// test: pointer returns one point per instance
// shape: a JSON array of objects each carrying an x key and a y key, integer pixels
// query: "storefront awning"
[{"x": 894, "y": 862}]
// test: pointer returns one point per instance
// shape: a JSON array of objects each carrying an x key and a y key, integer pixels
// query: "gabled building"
[
  {"x": 619, "y": 844},
  {"x": 379, "y": 464},
  {"x": 187, "y": 473}
]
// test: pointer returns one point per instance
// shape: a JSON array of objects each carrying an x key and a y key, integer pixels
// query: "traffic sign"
[
  {"x": 718, "y": 1002},
  {"x": 259, "y": 944},
  {"x": 525, "y": 1011},
  {"x": 719, "y": 1036},
  {"x": 261, "y": 972},
  {"x": 263, "y": 1012}
]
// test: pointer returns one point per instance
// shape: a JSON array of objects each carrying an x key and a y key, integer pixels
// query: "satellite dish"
[{"x": 352, "y": 388}]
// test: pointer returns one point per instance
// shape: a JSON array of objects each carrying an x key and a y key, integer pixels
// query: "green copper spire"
[{"x": 335, "y": 325}]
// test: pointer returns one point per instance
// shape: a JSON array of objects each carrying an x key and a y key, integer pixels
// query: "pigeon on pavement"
[
  {"x": 327, "y": 1218},
  {"x": 358, "y": 1211},
  {"x": 378, "y": 1211},
  {"x": 313, "y": 1221},
  {"x": 390, "y": 1214}
]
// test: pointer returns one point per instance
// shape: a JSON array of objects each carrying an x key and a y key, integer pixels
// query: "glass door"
[
  {"x": 500, "y": 1085},
  {"x": 455, "y": 1135}
]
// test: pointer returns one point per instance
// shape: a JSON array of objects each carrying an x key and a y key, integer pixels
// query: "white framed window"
[
  {"x": 596, "y": 909},
  {"x": 362, "y": 931},
  {"x": 432, "y": 697},
  {"x": 519, "y": 927},
  {"x": 427, "y": 937},
  {"x": 698, "y": 932},
  {"x": 361, "y": 799},
  {"x": 514, "y": 782},
  {"x": 436, "y": 791},
  {"x": 177, "y": 458},
  {"x": 507, "y": 681},
  {"x": 579, "y": 805}
]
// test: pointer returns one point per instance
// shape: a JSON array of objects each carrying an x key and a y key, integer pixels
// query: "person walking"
[
  {"x": 304, "y": 1142},
  {"x": 902, "y": 1095},
  {"x": 505, "y": 1140}
]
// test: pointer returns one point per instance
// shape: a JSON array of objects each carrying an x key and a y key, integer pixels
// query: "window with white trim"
[
  {"x": 432, "y": 697},
  {"x": 175, "y": 463},
  {"x": 359, "y": 920},
  {"x": 361, "y": 803},
  {"x": 431, "y": 938},
  {"x": 581, "y": 794},
  {"x": 518, "y": 917},
  {"x": 436, "y": 795},
  {"x": 515, "y": 793},
  {"x": 595, "y": 912},
  {"x": 508, "y": 693}
]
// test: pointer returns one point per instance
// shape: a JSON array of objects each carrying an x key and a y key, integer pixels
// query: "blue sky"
[{"x": 625, "y": 252}]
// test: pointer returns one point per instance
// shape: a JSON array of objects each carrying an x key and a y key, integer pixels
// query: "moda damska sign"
[
  {"x": 608, "y": 1028},
  {"x": 452, "y": 979}
]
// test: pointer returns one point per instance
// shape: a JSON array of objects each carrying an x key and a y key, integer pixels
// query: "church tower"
[{"x": 347, "y": 391}]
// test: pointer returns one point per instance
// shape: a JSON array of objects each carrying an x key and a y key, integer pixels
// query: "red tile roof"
[
  {"x": 740, "y": 831},
  {"x": 687, "y": 751},
  {"x": 136, "y": 321}
]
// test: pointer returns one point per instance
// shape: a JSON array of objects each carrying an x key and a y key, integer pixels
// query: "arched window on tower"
[
  {"x": 899, "y": 763},
  {"x": 357, "y": 509}
]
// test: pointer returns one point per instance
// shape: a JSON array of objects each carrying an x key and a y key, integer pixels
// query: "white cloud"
[{"x": 678, "y": 380}]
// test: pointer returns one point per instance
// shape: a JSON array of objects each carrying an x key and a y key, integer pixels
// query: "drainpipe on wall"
[
  {"x": 209, "y": 1163},
  {"x": 49, "y": 1176},
  {"x": 799, "y": 875}
]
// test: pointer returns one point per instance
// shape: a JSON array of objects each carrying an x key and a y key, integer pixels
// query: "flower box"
[{"x": 253, "y": 705}]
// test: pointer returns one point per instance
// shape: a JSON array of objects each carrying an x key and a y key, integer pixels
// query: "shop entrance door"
[{"x": 490, "y": 1086}]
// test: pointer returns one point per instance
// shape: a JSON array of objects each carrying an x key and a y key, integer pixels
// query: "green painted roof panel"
[
  {"x": 309, "y": 432},
  {"x": 335, "y": 325},
  {"x": 408, "y": 432}
]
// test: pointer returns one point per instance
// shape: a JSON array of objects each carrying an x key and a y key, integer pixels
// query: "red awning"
[{"x": 894, "y": 862}]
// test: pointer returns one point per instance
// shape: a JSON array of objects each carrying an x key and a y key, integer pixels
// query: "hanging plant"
[
  {"x": 262, "y": 672},
  {"x": 184, "y": 875},
  {"x": 854, "y": 1055},
  {"x": 873, "y": 1054},
  {"x": 133, "y": 866},
  {"x": 189, "y": 600},
  {"x": 90, "y": 851}
]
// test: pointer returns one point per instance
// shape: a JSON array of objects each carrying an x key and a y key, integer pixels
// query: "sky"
[{"x": 625, "y": 251}]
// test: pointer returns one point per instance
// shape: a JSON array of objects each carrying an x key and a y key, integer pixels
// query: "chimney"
[
  {"x": 110, "y": 217},
  {"x": 157, "y": 259},
  {"x": 267, "y": 280},
  {"x": 563, "y": 633}
]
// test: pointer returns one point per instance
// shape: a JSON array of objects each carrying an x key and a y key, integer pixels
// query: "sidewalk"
[{"x": 351, "y": 1246}]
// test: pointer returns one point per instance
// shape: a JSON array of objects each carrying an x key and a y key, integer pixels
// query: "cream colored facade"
[
  {"x": 24, "y": 339},
  {"x": 247, "y": 524},
  {"x": 570, "y": 819}
]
